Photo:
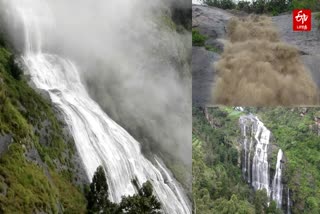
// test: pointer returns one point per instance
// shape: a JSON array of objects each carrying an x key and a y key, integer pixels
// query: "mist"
[
  {"x": 257, "y": 69},
  {"x": 134, "y": 61}
]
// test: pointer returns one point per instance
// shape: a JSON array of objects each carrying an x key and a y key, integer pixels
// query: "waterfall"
[
  {"x": 257, "y": 173},
  {"x": 277, "y": 184},
  {"x": 288, "y": 202},
  {"x": 260, "y": 165},
  {"x": 247, "y": 146},
  {"x": 258, "y": 176},
  {"x": 249, "y": 157},
  {"x": 244, "y": 169},
  {"x": 99, "y": 140}
]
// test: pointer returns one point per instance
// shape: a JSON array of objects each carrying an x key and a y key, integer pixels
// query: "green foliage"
[
  {"x": 224, "y": 4},
  {"x": 261, "y": 201},
  {"x": 234, "y": 205},
  {"x": 217, "y": 179},
  {"x": 72, "y": 200},
  {"x": 98, "y": 195},
  {"x": 273, "y": 7},
  {"x": 212, "y": 48},
  {"x": 244, "y": 6},
  {"x": 29, "y": 189},
  {"x": 295, "y": 132},
  {"x": 143, "y": 202},
  {"x": 313, "y": 5},
  {"x": 216, "y": 173},
  {"x": 272, "y": 209},
  {"x": 30, "y": 186},
  {"x": 197, "y": 38}
]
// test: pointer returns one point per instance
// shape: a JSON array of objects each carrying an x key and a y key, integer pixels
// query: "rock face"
[
  {"x": 307, "y": 42},
  {"x": 202, "y": 75},
  {"x": 5, "y": 140},
  {"x": 210, "y": 22},
  {"x": 262, "y": 162}
]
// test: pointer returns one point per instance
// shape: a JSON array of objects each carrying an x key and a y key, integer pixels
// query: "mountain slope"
[
  {"x": 218, "y": 156},
  {"x": 39, "y": 166}
]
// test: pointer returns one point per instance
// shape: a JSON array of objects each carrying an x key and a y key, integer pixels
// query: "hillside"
[
  {"x": 40, "y": 170},
  {"x": 223, "y": 182}
]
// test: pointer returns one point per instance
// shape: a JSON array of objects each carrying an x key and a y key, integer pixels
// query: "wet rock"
[
  {"x": 211, "y": 22},
  {"x": 5, "y": 141},
  {"x": 202, "y": 75},
  {"x": 308, "y": 43}
]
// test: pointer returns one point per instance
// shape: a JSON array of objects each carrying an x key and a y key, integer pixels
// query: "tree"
[
  {"x": 98, "y": 194},
  {"x": 272, "y": 209},
  {"x": 261, "y": 201},
  {"x": 144, "y": 202},
  {"x": 234, "y": 205}
]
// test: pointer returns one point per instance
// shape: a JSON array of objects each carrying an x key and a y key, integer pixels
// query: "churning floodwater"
[{"x": 98, "y": 139}]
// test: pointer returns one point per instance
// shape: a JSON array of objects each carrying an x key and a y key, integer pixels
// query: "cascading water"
[
  {"x": 288, "y": 202},
  {"x": 244, "y": 169},
  {"x": 260, "y": 165},
  {"x": 258, "y": 176},
  {"x": 99, "y": 140},
  {"x": 255, "y": 140},
  {"x": 277, "y": 182}
]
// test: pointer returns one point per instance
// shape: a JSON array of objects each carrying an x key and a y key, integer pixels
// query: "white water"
[
  {"x": 247, "y": 146},
  {"x": 288, "y": 202},
  {"x": 277, "y": 184},
  {"x": 249, "y": 157},
  {"x": 245, "y": 169},
  {"x": 99, "y": 140},
  {"x": 258, "y": 176},
  {"x": 260, "y": 165}
]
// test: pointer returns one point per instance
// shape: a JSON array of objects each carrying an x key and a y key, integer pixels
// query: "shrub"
[
  {"x": 197, "y": 38},
  {"x": 143, "y": 202},
  {"x": 15, "y": 71},
  {"x": 313, "y": 5},
  {"x": 273, "y": 7},
  {"x": 244, "y": 6},
  {"x": 224, "y": 4}
]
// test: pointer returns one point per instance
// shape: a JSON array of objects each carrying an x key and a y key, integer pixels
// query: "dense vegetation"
[
  {"x": 200, "y": 40},
  {"x": 37, "y": 173},
  {"x": 197, "y": 38},
  {"x": 273, "y": 7},
  {"x": 297, "y": 134},
  {"x": 218, "y": 186},
  {"x": 144, "y": 202},
  {"x": 36, "y": 170}
]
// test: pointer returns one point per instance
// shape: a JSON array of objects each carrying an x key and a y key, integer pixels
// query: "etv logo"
[{"x": 301, "y": 20}]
